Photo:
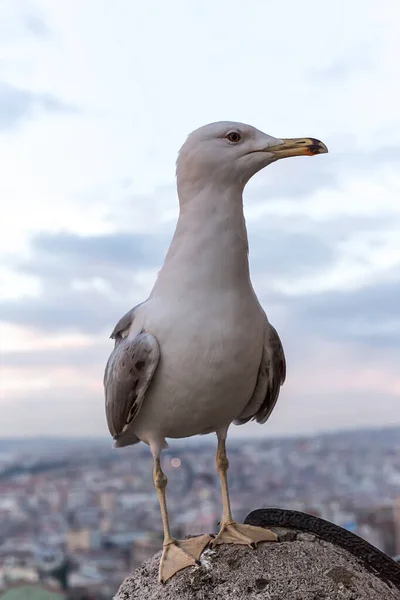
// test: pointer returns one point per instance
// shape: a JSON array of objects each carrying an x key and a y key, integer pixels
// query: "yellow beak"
[{"x": 297, "y": 147}]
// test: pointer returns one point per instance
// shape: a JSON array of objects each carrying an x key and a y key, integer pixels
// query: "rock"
[
  {"x": 303, "y": 536},
  {"x": 298, "y": 567}
]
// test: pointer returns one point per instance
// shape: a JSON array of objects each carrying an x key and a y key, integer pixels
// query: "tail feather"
[{"x": 126, "y": 438}]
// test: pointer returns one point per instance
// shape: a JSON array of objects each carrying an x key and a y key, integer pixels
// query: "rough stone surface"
[{"x": 298, "y": 567}]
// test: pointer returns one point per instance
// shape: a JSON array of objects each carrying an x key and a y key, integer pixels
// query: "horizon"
[{"x": 210, "y": 436}]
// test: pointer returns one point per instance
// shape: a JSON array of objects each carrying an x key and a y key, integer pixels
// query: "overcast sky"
[{"x": 96, "y": 98}]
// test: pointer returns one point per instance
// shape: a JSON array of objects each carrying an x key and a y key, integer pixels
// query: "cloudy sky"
[{"x": 96, "y": 98}]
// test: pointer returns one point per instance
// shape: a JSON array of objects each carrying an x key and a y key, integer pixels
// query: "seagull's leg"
[
  {"x": 177, "y": 554},
  {"x": 231, "y": 532}
]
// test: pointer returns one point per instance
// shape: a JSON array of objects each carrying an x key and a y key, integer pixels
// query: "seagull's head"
[{"x": 230, "y": 153}]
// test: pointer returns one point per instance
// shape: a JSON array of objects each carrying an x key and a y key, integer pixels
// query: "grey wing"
[
  {"x": 271, "y": 376},
  {"x": 127, "y": 377},
  {"x": 121, "y": 329}
]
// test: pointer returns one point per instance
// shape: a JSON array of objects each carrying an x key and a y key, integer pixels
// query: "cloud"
[
  {"x": 64, "y": 310},
  {"x": 322, "y": 232},
  {"x": 36, "y": 25},
  {"x": 17, "y": 104},
  {"x": 279, "y": 252},
  {"x": 20, "y": 21},
  {"x": 369, "y": 315},
  {"x": 352, "y": 62},
  {"x": 83, "y": 280},
  {"x": 342, "y": 68},
  {"x": 58, "y": 411},
  {"x": 76, "y": 357},
  {"x": 346, "y": 160},
  {"x": 86, "y": 282},
  {"x": 344, "y": 409},
  {"x": 74, "y": 255}
]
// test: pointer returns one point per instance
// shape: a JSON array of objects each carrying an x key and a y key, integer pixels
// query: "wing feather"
[
  {"x": 121, "y": 329},
  {"x": 127, "y": 377},
  {"x": 271, "y": 376}
]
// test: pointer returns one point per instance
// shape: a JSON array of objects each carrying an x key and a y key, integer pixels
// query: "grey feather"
[
  {"x": 271, "y": 376},
  {"x": 123, "y": 325},
  {"x": 127, "y": 377}
]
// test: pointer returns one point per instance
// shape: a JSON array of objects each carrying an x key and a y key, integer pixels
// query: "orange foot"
[
  {"x": 236, "y": 533},
  {"x": 179, "y": 554}
]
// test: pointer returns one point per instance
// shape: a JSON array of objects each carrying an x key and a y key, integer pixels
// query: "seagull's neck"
[{"x": 209, "y": 248}]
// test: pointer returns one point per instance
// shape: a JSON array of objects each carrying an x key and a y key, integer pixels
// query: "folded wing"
[
  {"x": 271, "y": 376},
  {"x": 128, "y": 374}
]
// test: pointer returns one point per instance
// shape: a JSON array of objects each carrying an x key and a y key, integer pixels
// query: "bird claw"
[
  {"x": 236, "y": 533},
  {"x": 179, "y": 554}
]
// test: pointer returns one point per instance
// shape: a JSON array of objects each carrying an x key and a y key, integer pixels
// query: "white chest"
[{"x": 210, "y": 356}]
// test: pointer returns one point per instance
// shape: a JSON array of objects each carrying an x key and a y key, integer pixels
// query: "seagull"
[{"x": 200, "y": 354}]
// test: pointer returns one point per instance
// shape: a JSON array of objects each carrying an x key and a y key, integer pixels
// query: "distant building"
[
  {"x": 83, "y": 539},
  {"x": 12, "y": 573},
  {"x": 52, "y": 565},
  {"x": 143, "y": 548},
  {"x": 396, "y": 510},
  {"x": 31, "y": 592},
  {"x": 108, "y": 500},
  {"x": 383, "y": 520}
]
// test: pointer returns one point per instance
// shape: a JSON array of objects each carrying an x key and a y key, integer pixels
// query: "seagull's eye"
[{"x": 233, "y": 136}]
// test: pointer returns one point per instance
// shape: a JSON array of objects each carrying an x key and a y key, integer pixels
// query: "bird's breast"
[{"x": 210, "y": 356}]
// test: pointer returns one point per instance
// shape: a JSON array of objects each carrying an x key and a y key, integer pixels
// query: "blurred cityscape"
[{"x": 77, "y": 516}]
